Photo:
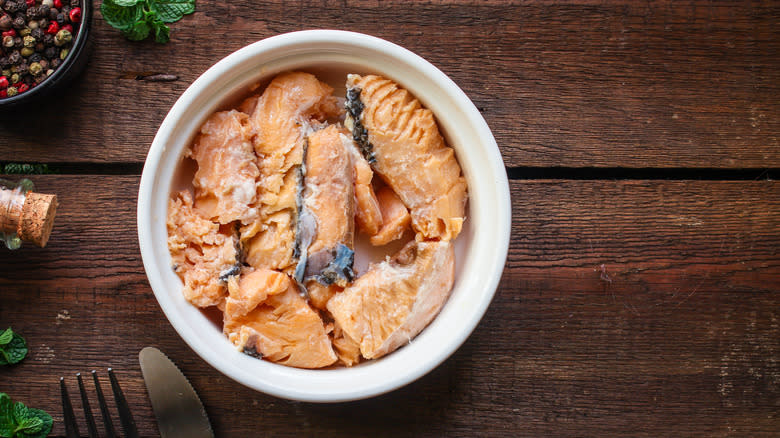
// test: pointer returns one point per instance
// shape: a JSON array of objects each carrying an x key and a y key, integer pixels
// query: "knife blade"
[{"x": 175, "y": 403}]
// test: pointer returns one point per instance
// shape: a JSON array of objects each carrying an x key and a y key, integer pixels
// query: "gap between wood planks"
[{"x": 513, "y": 173}]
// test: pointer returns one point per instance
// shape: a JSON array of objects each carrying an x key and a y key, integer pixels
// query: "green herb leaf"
[
  {"x": 6, "y": 336},
  {"x": 13, "y": 351},
  {"x": 126, "y": 3},
  {"x": 170, "y": 11},
  {"x": 121, "y": 17},
  {"x": 138, "y": 32},
  {"x": 19, "y": 168},
  {"x": 40, "y": 417},
  {"x": 7, "y": 424},
  {"x": 162, "y": 33}
]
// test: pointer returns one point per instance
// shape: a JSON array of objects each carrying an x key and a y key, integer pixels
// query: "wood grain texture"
[
  {"x": 676, "y": 335},
  {"x": 573, "y": 84}
]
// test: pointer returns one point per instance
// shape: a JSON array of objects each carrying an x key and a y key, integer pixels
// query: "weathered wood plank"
[
  {"x": 589, "y": 83},
  {"x": 677, "y": 335}
]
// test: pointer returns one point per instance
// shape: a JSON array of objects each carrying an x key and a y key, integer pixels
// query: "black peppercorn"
[
  {"x": 73, "y": 3},
  {"x": 35, "y": 57},
  {"x": 4, "y": 63},
  {"x": 19, "y": 23},
  {"x": 12, "y": 7},
  {"x": 22, "y": 68},
  {"x": 43, "y": 23},
  {"x": 44, "y": 63},
  {"x": 15, "y": 57},
  {"x": 18, "y": 42},
  {"x": 32, "y": 12},
  {"x": 43, "y": 10},
  {"x": 37, "y": 34},
  {"x": 28, "y": 79},
  {"x": 39, "y": 46},
  {"x": 51, "y": 52},
  {"x": 53, "y": 12},
  {"x": 48, "y": 39},
  {"x": 61, "y": 18},
  {"x": 55, "y": 63},
  {"x": 5, "y": 22}
]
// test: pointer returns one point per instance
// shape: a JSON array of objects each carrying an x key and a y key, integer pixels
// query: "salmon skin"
[
  {"x": 327, "y": 215},
  {"x": 402, "y": 142}
]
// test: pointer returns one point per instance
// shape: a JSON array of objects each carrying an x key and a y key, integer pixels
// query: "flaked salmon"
[
  {"x": 401, "y": 140},
  {"x": 204, "y": 254},
  {"x": 282, "y": 328},
  {"x": 327, "y": 218},
  {"x": 395, "y": 299},
  {"x": 226, "y": 179},
  {"x": 282, "y": 117},
  {"x": 368, "y": 214},
  {"x": 395, "y": 217}
]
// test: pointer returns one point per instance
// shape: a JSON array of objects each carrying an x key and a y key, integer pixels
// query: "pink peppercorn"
[
  {"x": 10, "y": 32},
  {"x": 75, "y": 15},
  {"x": 58, "y": 4},
  {"x": 30, "y": 3},
  {"x": 67, "y": 27},
  {"x": 3, "y": 82},
  {"x": 3, "y": 94},
  {"x": 53, "y": 28},
  {"x": 23, "y": 87}
]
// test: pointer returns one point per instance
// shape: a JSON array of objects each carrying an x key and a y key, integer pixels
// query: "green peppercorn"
[
  {"x": 64, "y": 54},
  {"x": 63, "y": 37},
  {"x": 8, "y": 41},
  {"x": 27, "y": 51},
  {"x": 29, "y": 41},
  {"x": 16, "y": 77},
  {"x": 49, "y": 72},
  {"x": 35, "y": 68},
  {"x": 6, "y": 72},
  {"x": 11, "y": 91},
  {"x": 24, "y": 32}
]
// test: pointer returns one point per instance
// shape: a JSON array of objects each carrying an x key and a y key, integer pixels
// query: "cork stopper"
[{"x": 37, "y": 218}]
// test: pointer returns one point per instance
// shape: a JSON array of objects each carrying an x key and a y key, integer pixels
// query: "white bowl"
[{"x": 481, "y": 248}]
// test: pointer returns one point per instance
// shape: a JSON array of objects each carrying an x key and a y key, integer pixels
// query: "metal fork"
[{"x": 125, "y": 416}]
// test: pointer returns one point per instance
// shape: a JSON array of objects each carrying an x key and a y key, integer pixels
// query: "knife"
[{"x": 177, "y": 407}]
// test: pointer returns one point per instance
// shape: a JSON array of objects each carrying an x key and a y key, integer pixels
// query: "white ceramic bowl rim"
[{"x": 489, "y": 213}]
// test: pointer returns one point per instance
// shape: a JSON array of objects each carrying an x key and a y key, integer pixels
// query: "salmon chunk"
[
  {"x": 226, "y": 179},
  {"x": 327, "y": 225},
  {"x": 395, "y": 299},
  {"x": 283, "y": 115},
  {"x": 282, "y": 328},
  {"x": 395, "y": 218},
  {"x": 203, "y": 253},
  {"x": 402, "y": 142},
  {"x": 368, "y": 214}
]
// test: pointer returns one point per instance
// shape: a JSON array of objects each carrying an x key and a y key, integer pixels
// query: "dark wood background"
[{"x": 641, "y": 295}]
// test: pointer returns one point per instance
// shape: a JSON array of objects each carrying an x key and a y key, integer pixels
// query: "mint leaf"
[
  {"x": 126, "y": 3},
  {"x": 38, "y": 417},
  {"x": 138, "y": 32},
  {"x": 14, "y": 351},
  {"x": 121, "y": 17},
  {"x": 172, "y": 10},
  {"x": 161, "y": 32},
  {"x": 6, "y": 336}
]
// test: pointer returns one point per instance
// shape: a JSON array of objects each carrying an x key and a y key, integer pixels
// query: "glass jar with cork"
[{"x": 25, "y": 215}]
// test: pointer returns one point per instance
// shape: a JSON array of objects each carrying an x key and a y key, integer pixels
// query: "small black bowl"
[{"x": 72, "y": 66}]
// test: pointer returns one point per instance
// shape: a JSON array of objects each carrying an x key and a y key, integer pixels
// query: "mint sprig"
[
  {"x": 19, "y": 421},
  {"x": 137, "y": 19},
  {"x": 13, "y": 348}
]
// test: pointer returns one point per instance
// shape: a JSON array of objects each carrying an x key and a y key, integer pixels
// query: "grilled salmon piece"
[
  {"x": 226, "y": 179},
  {"x": 252, "y": 288},
  {"x": 283, "y": 115},
  {"x": 395, "y": 218},
  {"x": 203, "y": 253},
  {"x": 347, "y": 350},
  {"x": 402, "y": 142},
  {"x": 327, "y": 219},
  {"x": 395, "y": 299},
  {"x": 282, "y": 328}
]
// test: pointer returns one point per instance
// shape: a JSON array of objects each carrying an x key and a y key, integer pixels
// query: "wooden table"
[{"x": 641, "y": 295}]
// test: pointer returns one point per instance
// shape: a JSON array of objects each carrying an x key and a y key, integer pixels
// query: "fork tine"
[
  {"x": 71, "y": 427},
  {"x": 109, "y": 425},
  {"x": 91, "y": 427},
  {"x": 125, "y": 416}
]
